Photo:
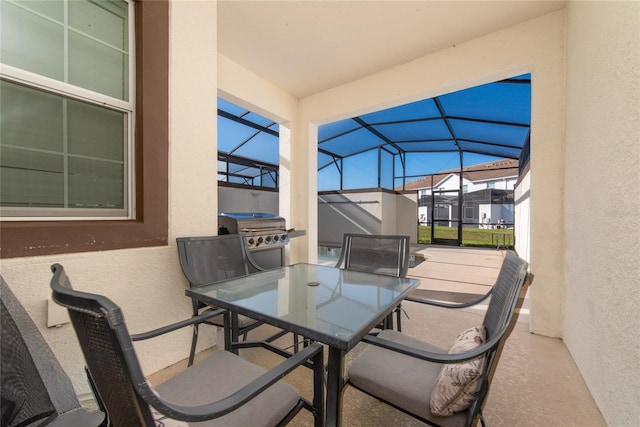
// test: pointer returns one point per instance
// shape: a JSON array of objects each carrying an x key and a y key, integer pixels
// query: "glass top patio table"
[{"x": 327, "y": 304}]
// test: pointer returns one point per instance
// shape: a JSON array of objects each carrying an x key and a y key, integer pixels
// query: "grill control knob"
[
  {"x": 269, "y": 239},
  {"x": 276, "y": 238},
  {"x": 260, "y": 240},
  {"x": 251, "y": 241}
]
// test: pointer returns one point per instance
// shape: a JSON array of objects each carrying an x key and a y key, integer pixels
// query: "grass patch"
[{"x": 470, "y": 236}]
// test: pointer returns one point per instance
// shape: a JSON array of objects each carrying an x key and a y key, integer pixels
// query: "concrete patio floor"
[{"x": 536, "y": 383}]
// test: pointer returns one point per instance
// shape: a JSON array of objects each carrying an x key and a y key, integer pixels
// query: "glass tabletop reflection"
[{"x": 327, "y": 304}]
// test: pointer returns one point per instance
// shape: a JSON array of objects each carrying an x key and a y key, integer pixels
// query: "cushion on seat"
[
  {"x": 400, "y": 380},
  {"x": 217, "y": 377},
  {"x": 458, "y": 383}
]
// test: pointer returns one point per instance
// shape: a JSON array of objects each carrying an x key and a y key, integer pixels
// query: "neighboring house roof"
[{"x": 483, "y": 172}]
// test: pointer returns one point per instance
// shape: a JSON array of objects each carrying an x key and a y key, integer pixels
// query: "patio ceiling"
[{"x": 305, "y": 47}]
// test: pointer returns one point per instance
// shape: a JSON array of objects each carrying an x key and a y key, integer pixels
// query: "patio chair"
[
  {"x": 35, "y": 388},
  {"x": 220, "y": 390},
  {"x": 382, "y": 254},
  {"x": 440, "y": 387},
  {"x": 211, "y": 259}
]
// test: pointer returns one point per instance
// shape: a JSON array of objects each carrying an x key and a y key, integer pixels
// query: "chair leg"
[
  {"x": 399, "y": 317},
  {"x": 481, "y": 418},
  {"x": 296, "y": 343},
  {"x": 194, "y": 342}
]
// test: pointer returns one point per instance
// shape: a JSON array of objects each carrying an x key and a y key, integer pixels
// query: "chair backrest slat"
[
  {"x": 211, "y": 259},
  {"x": 499, "y": 318},
  {"x": 381, "y": 254},
  {"x": 504, "y": 293}
]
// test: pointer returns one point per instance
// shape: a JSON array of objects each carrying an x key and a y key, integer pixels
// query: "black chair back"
[
  {"x": 211, "y": 259},
  {"x": 107, "y": 349},
  {"x": 381, "y": 254},
  {"x": 499, "y": 318}
]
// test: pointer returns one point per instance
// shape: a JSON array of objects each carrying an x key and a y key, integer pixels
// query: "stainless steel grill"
[
  {"x": 266, "y": 234},
  {"x": 261, "y": 230}
]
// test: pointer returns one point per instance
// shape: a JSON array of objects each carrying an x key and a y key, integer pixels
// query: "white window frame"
[{"x": 69, "y": 91}]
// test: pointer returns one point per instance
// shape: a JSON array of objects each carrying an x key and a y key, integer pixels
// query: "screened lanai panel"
[
  {"x": 328, "y": 178},
  {"x": 500, "y": 101},
  {"x": 231, "y": 108},
  {"x": 232, "y": 134},
  {"x": 510, "y": 136},
  {"x": 331, "y": 130},
  {"x": 415, "y": 131},
  {"x": 260, "y": 120},
  {"x": 353, "y": 142},
  {"x": 430, "y": 146},
  {"x": 361, "y": 171},
  {"x": 420, "y": 164},
  {"x": 495, "y": 151},
  {"x": 425, "y": 108},
  {"x": 261, "y": 146},
  {"x": 386, "y": 170},
  {"x": 324, "y": 160}
]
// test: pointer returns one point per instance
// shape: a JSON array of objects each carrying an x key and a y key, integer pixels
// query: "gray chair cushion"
[
  {"x": 81, "y": 417},
  {"x": 218, "y": 376},
  {"x": 403, "y": 381}
]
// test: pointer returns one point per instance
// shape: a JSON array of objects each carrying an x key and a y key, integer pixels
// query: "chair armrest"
[
  {"x": 436, "y": 357},
  {"x": 177, "y": 325},
  {"x": 447, "y": 304},
  {"x": 224, "y": 406}
]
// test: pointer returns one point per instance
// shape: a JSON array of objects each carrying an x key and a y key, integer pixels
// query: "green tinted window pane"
[
  {"x": 31, "y": 42},
  {"x": 97, "y": 67},
  {"x": 95, "y": 132},
  {"x": 53, "y": 9},
  {"x": 30, "y": 118},
  {"x": 95, "y": 184},
  {"x": 31, "y": 179},
  {"x": 103, "y": 20}
]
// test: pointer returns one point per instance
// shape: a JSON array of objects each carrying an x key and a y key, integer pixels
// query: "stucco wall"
[
  {"x": 602, "y": 202},
  {"x": 146, "y": 283},
  {"x": 247, "y": 200},
  {"x": 369, "y": 212},
  {"x": 349, "y": 213}
]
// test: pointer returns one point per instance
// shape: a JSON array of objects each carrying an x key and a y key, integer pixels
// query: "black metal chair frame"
[
  {"x": 218, "y": 271},
  {"x": 120, "y": 382},
  {"x": 507, "y": 297},
  {"x": 398, "y": 268}
]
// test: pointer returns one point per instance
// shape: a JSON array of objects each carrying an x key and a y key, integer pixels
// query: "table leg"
[
  {"x": 334, "y": 387},
  {"x": 227, "y": 330}
]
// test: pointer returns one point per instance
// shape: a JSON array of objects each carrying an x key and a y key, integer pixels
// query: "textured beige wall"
[
  {"x": 602, "y": 203},
  {"x": 193, "y": 182},
  {"x": 146, "y": 283}
]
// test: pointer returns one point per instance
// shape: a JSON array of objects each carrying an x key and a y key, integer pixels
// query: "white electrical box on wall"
[{"x": 56, "y": 314}]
